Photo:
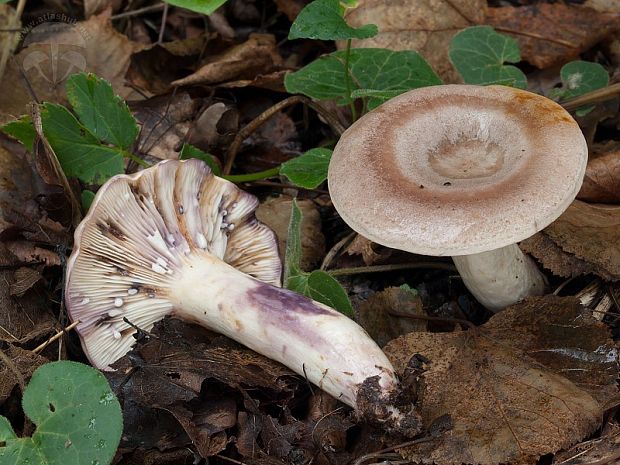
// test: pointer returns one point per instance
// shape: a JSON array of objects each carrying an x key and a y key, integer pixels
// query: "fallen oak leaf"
[{"x": 505, "y": 406}]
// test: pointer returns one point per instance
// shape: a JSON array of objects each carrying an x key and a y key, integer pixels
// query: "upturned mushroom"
[
  {"x": 176, "y": 240},
  {"x": 464, "y": 171}
]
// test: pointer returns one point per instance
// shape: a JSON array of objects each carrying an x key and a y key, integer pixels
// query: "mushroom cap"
[
  {"x": 140, "y": 232},
  {"x": 457, "y": 169}
]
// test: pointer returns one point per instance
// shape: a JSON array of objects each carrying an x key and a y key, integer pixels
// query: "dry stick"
[
  {"x": 261, "y": 119},
  {"x": 379, "y": 453},
  {"x": 164, "y": 18},
  {"x": 7, "y": 47},
  {"x": 139, "y": 11},
  {"x": 533, "y": 35},
  {"x": 55, "y": 337},
  {"x": 285, "y": 186},
  {"x": 335, "y": 250},
  {"x": 598, "y": 95},
  {"x": 393, "y": 267}
]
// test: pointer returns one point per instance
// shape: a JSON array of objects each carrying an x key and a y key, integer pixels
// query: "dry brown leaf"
[
  {"x": 376, "y": 315},
  {"x": 366, "y": 248},
  {"x": 23, "y": 319},
  {"x": 92, "y": 45},
  {"x": 258, "y": 54},
  {"x": 426, "y": 26},
  {"x": 602, "y": 180},
  {"x": 23, "y": 360},
  {"x": 164, "y": 123},
  {"x": 290, "y": 8},
  {"x": 92, "y": 7},
  {"x": 553, "y": 257},
  {"x": 157, "y": 65},
  {"x": 591, "y": 233},
  {"x": 25, "y": 278},
  {"x": 276, "y": 213},
  {"x": 602, "y": 450},
  {"x": 506, "y": 406},
  {"x": 552, "y": 33}
]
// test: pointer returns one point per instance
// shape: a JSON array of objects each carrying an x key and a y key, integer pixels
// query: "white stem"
[
  {"x": 501, "y": 277},
  {"x": 313, "y": 340}
]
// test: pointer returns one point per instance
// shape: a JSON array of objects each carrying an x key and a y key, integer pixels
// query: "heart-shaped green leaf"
[
  {"x": 78, "y": 418},
  {"x": 479, "y": 53},
  {"x": 309, "y": 169}
]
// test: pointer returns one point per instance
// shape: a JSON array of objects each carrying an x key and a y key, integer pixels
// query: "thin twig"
[
  {"x": 533, "y": 35},
  {"x": 56, "y": 336},
  {"x": 335, "y": 250},
  {"x": 139, "y": 11},
  {"x": 261, "y": 119},
  {"x": 279, "y": 185},
  {"x": 439, "y": 319},
  {"x": 367, "y": 457},
  {"x": 393, "y": 267},
  {"x": 596, "y": 96},
  {"x": 164, "y": 18}
]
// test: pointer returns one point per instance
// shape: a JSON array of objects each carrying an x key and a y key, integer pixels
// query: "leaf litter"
[{"x": 536, "y": 379}]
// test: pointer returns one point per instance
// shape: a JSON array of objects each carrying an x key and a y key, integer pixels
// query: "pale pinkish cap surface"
[
  {"x": 137, "y": 236},
  {"x": 457, "y": 169}
]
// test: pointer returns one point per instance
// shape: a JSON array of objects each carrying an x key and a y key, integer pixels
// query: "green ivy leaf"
[
  {"x": 378, "y": 69},
  {"x": 189, "y": 151},
  {"x": 103, "y": 113},
  {"x": 205, "y": 7},
  {"x": 308, "y": 170},
  {"x": 78, "y": 418},
  {"x": 580, "y": 77},
  {"x": 323, "y": 20},
  {"x": 22, "y": 130},
  {"x": 479, "y": 53},
  {"x": 317, "y": 285},
  {"x": 79, "y": 152}
]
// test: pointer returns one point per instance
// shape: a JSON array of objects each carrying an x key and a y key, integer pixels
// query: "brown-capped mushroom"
[
  {"x": 465, "y": 171},
  {"x": 176, "y": 240}
]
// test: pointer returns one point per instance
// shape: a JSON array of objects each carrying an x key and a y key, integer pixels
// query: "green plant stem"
[
  {"x": 347, "y": 78},
  {"x": 135, "y": 159},
  {"x": 270, "y": 173}
]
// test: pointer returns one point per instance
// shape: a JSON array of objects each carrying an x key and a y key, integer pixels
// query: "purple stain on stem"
[{"x": 284, "y": 303}]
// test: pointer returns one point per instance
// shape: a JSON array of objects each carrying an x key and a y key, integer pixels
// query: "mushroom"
[
  {"x": 176, "y": 240},
  {"x": 465, "y": 171}
]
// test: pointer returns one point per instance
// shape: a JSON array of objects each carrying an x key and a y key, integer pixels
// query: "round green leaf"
[
  {"x": 479, "y": 53},
  {"x": 78, "y": 418}
]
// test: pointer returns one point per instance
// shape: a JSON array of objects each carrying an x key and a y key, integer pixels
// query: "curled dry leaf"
[
  {"x": 366, "y": 248},
  {"x": 506, "y": 404},
  {"x": 258, "y": 54},
  {"x": 426, "y": 26},
  {"x": 587, "y": 232},
  {"x": 276, "y": 213},
  {"x": 602, "y": 180},
  {"x": 376, "y": 315},
  {"x": 552, "y": 33}
]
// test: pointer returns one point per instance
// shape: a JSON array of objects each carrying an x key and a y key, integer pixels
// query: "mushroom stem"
[
  {"x": 315, "y": 341},
  {"x": 501, "y": 277}
]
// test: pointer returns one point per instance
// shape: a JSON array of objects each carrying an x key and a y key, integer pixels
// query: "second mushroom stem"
[{"x": 501, "y": 277}]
